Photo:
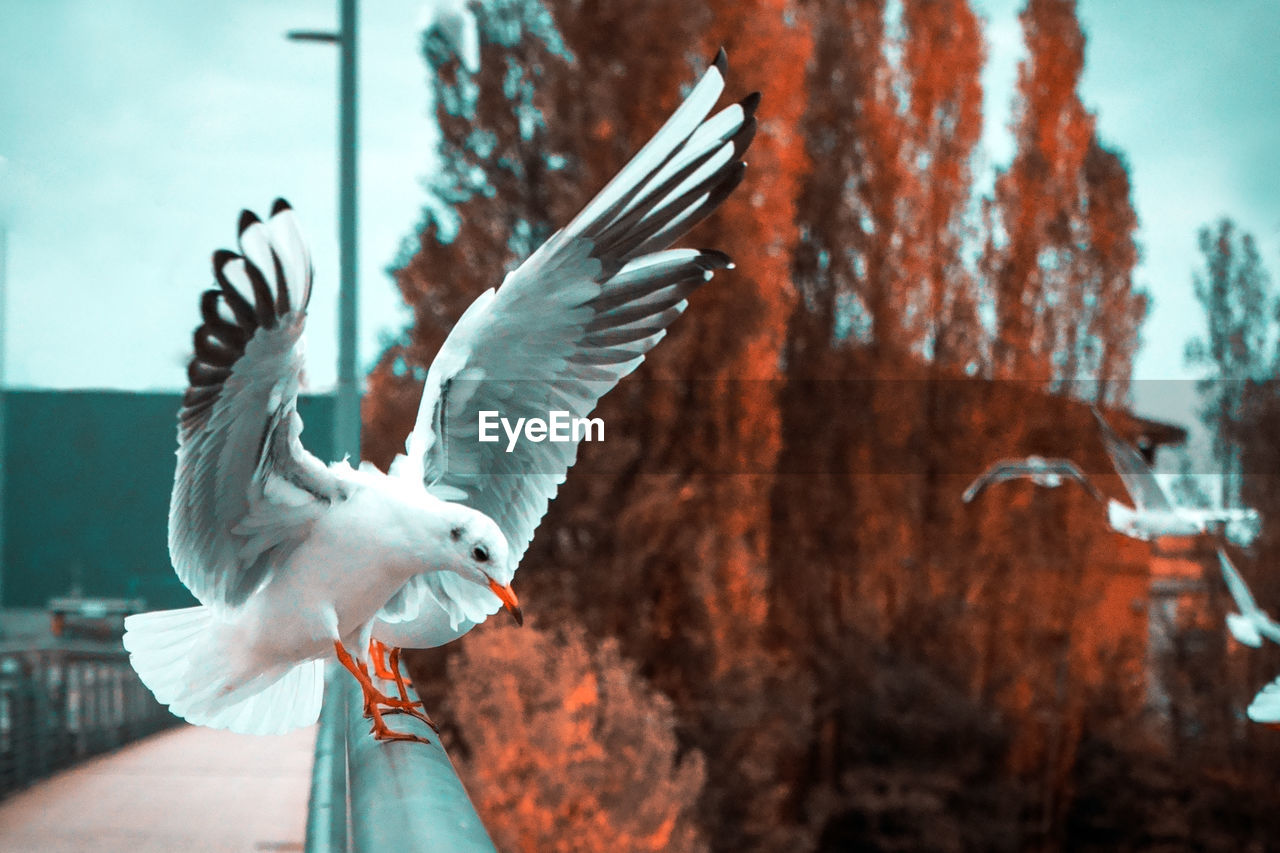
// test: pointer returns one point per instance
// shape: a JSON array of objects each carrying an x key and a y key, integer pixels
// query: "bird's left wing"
[
  {"x": 245, "y": 489},
  {"x": 1144, "y": 488},
  {"x": 997, "y": 472},
  {"x": 570, "y": 322}
]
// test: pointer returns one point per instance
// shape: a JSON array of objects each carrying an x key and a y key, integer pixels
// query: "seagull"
[
  {"x": 290, "y": 559},
  {"x": 1154, "y": 514},
  {"x": 1252, "y": 623},
  {"x": 559, "y": 333},
  {"x": 1049, "y": 473},
  {"x": 1250, "y": 626}
]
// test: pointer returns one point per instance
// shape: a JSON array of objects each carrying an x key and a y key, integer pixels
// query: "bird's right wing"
[
  {"x": 1067, "y": 468},
  {"x": 245, "y": 490},
  {"x": 1144, "y": 488}
]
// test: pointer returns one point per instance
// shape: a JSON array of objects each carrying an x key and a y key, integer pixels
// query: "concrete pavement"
[{"x": 187, "y": 789}]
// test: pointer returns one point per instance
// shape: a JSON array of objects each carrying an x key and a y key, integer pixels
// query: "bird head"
[{"x": 480, "y": 556}]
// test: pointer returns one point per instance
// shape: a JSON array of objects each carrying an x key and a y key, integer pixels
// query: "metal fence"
[{"x": 60, "y": 706}]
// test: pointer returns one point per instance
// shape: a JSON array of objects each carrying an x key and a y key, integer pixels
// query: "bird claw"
[
  {"x": 381, "y": 732},
  {"x": 395, "y": 706},
  {"x": 378, "y": 654},
  {"x": 418, "y": 715},
  {"x": 375, "y": 701}
]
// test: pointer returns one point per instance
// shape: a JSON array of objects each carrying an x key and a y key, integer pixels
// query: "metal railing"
[
  {"x": 367, "y": 795},
  {"x": 60, "y": 706}
]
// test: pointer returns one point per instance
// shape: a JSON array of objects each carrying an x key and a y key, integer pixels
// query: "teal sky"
[{"x": 133, "y": 133}]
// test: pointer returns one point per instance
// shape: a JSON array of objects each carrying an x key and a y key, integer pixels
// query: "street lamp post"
[{"x": 346, "y": 419}]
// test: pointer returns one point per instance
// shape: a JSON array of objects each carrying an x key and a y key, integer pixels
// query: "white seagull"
[
  {"x": 1154, "y": 513},
  {"x": 1049, "y": 473},
  {"x": 1250, "y": 626},
  {"x": 563, "y": 329},
  {"x": 290, "y": 560}
]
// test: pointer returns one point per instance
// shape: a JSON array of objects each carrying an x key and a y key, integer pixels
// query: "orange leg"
[
  {"x": 403, "y": 705},
  {"x": 378, "y": 654},
  {"x": 373, "y": 698},
  {"x": 403, "y": 689}
]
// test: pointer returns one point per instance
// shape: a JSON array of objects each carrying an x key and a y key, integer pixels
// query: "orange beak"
[{"x": 509, "y": 600}]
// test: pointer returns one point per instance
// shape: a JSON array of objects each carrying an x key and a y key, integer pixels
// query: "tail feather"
[{"x": 176, "y": 654}]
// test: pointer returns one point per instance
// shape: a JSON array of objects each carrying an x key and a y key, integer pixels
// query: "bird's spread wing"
[
  {"x": 1261, "y": 623},
  {"x": 997, "y": 472},
  {"x": 245, "y": 490},
  {"x": 1138, "y": 478},
  {"x": 1239, "y": 590},
  {"x": 573, "y": 319}
]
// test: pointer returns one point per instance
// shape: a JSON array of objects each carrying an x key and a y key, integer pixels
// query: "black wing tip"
[
  {"x": 734, "y": 176},
  {"x": 750, "y": 103},
  {"x": 714, "y": 259},
  {"x": 247, "y": 220},
  {"x": 222, "y": 257},
  {"x": 744, "y": 137},
  {"x": 721, "y": 61},
  {"x": 280, "y": 206}
]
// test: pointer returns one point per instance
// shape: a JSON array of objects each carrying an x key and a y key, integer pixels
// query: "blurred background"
[{"x": 761, "y": 616}]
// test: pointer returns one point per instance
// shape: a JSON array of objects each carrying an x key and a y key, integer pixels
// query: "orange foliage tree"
[
  {"x": 942, "y": 58},
  {"x": 772, "y": 529},
  {"x": 1035, "y": 197},
  {"x": 569, "y": 749}
]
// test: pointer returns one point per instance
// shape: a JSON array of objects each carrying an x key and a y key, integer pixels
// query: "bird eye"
[{"x": 481, "y": 554}]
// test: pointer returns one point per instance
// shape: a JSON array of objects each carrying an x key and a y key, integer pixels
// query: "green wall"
[{"x": 87, "y": 482}]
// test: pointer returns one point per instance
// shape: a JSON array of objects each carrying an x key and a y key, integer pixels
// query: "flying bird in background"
[
  {"x": 560, "y": 332},
  {"x": 1250, "y": 626},
  {"x": 1154, "y": 513},
  {"x": 1049, "y": 473},
  {"x": 290, "y": 559}
]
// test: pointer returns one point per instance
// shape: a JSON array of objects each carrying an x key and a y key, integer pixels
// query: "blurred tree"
[
  {"x": 942, "y": 56},
  {"x": 566, "y": 747},
  {"x": 1235, "y": 292},
  {"x": 1103, "y": 341},
  {"x": 1036, "y": 201}
]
